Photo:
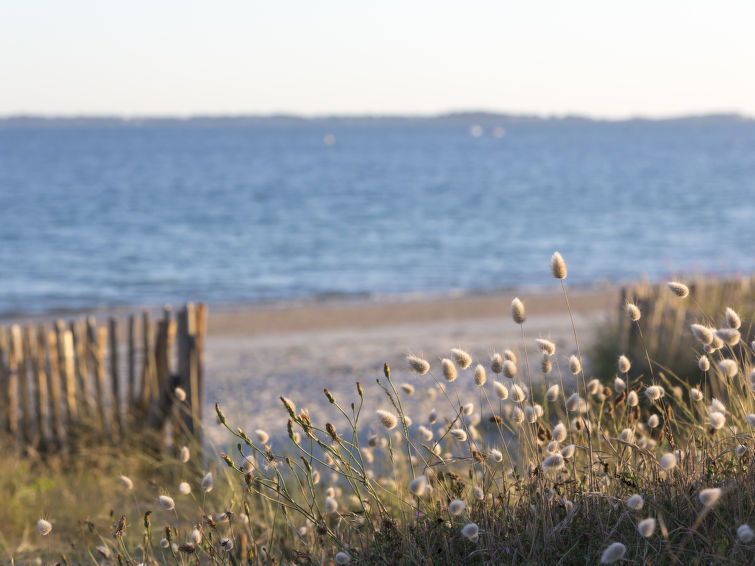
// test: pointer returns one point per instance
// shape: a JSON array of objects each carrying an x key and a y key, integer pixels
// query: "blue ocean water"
[{"x": 117, "y": 215}]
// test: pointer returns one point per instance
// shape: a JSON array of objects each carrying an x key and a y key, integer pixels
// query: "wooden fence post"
[
  {"x": 53, "y": 375},
  {"x": 131, "y": 395},
  {"x": 115, "y": 378},
  {"x": 17, "y": 348},
  {"x": 41, "y": 402},
  {"x": 148, "y": 385}
]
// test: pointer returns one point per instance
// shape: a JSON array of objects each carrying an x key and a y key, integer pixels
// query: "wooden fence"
[{"x": 67, "y": 383}]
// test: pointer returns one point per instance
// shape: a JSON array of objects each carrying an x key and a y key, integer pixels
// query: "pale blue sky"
[{"x": 595, "y": 57}]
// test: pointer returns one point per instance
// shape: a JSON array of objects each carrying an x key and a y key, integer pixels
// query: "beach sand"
[{"x": 254, "y": 355}]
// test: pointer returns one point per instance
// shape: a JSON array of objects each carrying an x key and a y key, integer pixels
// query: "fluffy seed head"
[
  {"x": 226, "y": 544},
  {"x": 184, "y": 488},
  {"x": 751, "y": 420},
  {"x": 496, "y": 363},
  {"x": 501, "y": 390},
  {"x": 614, "y": 552},
  {"x": 546, "y": 365},
  {"x": 729, "y": 336},
  {"x": 574, "y": 365},
  {"x": 744, "y": 533},
  {"x": 517, "y": 393},
  {"x": 517, "y": 415},
  {"x": 646, "y": 527},
  {"x": 126, "y": 482},
  {"x": 207, "y": 483},
  {"x": 331, "y": 505},
  {"x": 709, "y": 496},
  {"x": 741, "y": 451},
  {"x": 635, "y": 502},
  {"x": 196, "y": 537},
  {"x": 716, "y": 405},
  {"x": 530, "y": 414},
  {"x": 627, "y": 435},
  {"x": 546, "y": 346},
  {"x": 732, "y": 318},
  {"x": 262, "y": 436},
  {"x": 619, "y": 384},
  {"x": 568, "y": 451},
  {"x": 342, "y": 558},
  {"x": 558, "y": 266},
  {"x": 462, "y": 358},
  {"x": 479, "y": 495},
  {"x": 517, "y": 311},
  {"x": 468, "y": 409},
  {"x": 166, "y": 502},
  {"x": 456, "y": 507},
  {"x": 633, "y": 312},
  {"x": 632, "y": 399},
  {"x": 653, "y": 420},
  {"x": 594, "y": 386},
  {"x": 624, "y": 364},
  {"x": 449, "y": 370},
  {"x": 425, "y": 433},
  {"x": 702, "y": 333},
  {"x": 509, "y": 369},
  {"x": 668, "y": 461},
  {"x": 728, "y": 368},
  {"x": 44, "y": 527},
  {"x": 496, "y": 455},
  {"x": 695, "y": 394},
  {"x": 703, "y": 363},
  {"x": 387, "y": 419},
  {"x": 418, "y": 486},
  {"x": 678, "y": 289},
  {"x": 431, "y": 418},
  {"x": 559, "y": 432},
  {"x": 458, "y": 433},
  {"x": 717, "y": 420},
  {"x": 509, "y": 355},
  {"x": 471, "y": 531},
  {"x": 553, "y": 462},
  {"x": 575, "y": 403},
  {"x": 184, "y": 454},
  {"x": 654, "y": 392},
  {"x": 180, "y": 393},
  {"x": 552, "y": 394},
  {"x": 480, "y": 377},
  {"x": 418, "y": 365}
]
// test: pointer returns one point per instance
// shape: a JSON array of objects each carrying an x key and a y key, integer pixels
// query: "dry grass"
[{"x": 524, "y": 472}]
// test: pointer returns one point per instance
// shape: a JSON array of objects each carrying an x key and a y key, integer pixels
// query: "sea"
[{"x": 103, "y": 214}]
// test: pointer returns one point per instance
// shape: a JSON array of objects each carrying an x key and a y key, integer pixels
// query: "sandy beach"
[{"x": 254, "y": 355}]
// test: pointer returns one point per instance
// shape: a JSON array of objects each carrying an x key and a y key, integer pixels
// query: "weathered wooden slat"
[
  {"x": 13, "y": 402},
  {"x": 67, "y": 372},
  {"x": 23, "y": 366},
  {"x": 85, "y": 397},
  {"x": 131, "y": 395},
  {"x": 201, "y": 333},
  {"x": 59, "y": 429},
  {"x": 36, "y": 350},
  {"x": 100, "y": 343},
  {"x": 3, "y": 379},
  {"x": 148, "y": 386},
  {"x": 115, "y": 379}
]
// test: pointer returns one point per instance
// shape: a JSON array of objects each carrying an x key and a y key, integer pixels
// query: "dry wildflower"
[
  {"x": 471, "y": 531},
  {"x": 418, "y": 486},
  {"x": 546, "y": 365},
  {"x": 501, "y": 390},
  {"x": 478, "y": 493},
  {"x": 741, "y": 451},
  {"x": 164, "y": 543},
  {"x": 717, "y": 420},
  {"x": 574, "y": 365},
  {"x": 425, "y": 433},
  {"x": 633, "y": 312},
  {"x": 496, "y": 363},
  {"x": 558, "y": 266},
  {"x": 553, "y": 462},
  {"x": 729, "y": 336},
  {"x": 678, "y": 289},
  {"x": 207, "y": 483},
  {"x": 44, "y": 527},
  {"x": 575, "y": 403},
  {"x": 387, "y": 419},
  {"x": 559, "y": 432},
  {"x": 180, "y": 393},
  {"x": 709, "y": 496},
  {"x": 732, "y": 318},
  {"x": 407, "y": 388},
  {"x": 458, "y": 433},
  {"x": 449, "y": 370},
  {"x": 456, "y": 507},
  {"x": 184, "y": 454},
  {"x": 331, "y": 505},
  {"x": 517, "y": 311},
  {"x": 751, "y": 420},
  {"x": 632, "y": 399},
  {"x": 226, "y": 544},
  {"x": 468, "y": 409},
  {"x": 517, "y": 393},
  {"x": 530, "y": 414},
  {"x": 184, "y": 488},
  {"x": 703, "y": 363},
  {"x": 744, "y": 533},
  {"x": 262, "y": 436},
  {"x": 552, "y": 394},
  {"x": 166, "y": 502},
  {"x": 568, "y": 451},
  {"x": 546, "y": 346},
  {"x": 695, "y": 394},
  {"x": 654, "y": 392},
  {"x": 496, "y": 455},
  {"x": 627, "y": 435},
  {"x": 462, "y": 358},
  {"x": 619, "y": 384},
  {"x": 509, "y": 369},
  {"x": 196, "y": 537},
  {"x": 716, "y": 405},
  {"x": 614, "y": 552},
  {"x": 417, "y": 364},
  {"x": 624, "y": 364},
  {"x": 480, "y": 377},
  {"x": 509, "y": 355},
  {"x": 517, "y": 415},
  {"x": 646, "y": 527},
  {"x": 702, "y": 333},
  {"x": 635, "y": 502},
  {"x": 432, "y": 416},
  {"x": 668, "y": 461},
  {"x": 342, "y": 558},
  {"x": 728, "y": 368},
  {"x": 126, "y": 482},
  {"x": 653, "y": 421}
]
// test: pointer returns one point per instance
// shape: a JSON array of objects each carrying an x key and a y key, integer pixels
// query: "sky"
[{"x": 600, "y": 58}]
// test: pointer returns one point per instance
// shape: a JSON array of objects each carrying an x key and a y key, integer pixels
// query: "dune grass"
[{"x": 545, "y": 465}]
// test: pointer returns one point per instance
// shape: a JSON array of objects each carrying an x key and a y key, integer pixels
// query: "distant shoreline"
[{"x": 20, "y": 120}]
